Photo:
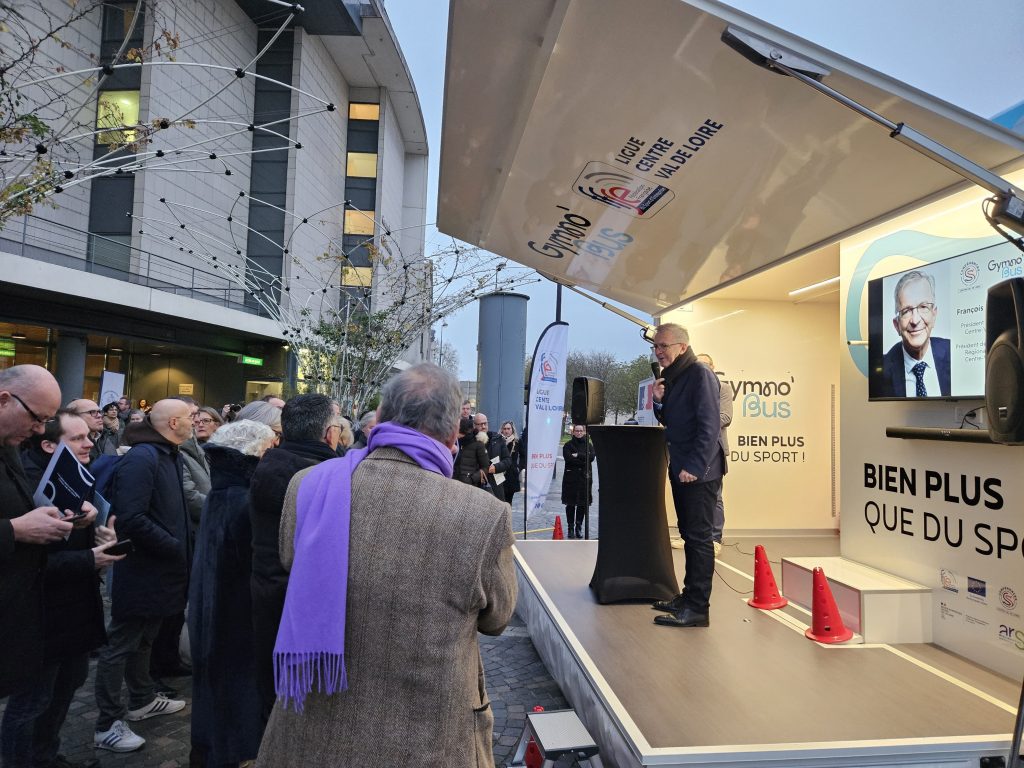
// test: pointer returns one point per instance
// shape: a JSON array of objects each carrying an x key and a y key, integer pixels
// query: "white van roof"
[{"x": 624, "y": 148}]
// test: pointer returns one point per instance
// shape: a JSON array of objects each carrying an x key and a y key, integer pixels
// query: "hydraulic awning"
[{"x": 624, "y": 148}]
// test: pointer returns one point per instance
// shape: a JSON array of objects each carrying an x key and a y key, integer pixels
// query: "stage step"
[
  {"x": 556, "y": 734},
  {"x": 880, "y": 607}
]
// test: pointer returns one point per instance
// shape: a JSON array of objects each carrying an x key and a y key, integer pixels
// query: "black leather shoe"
[
  {"x": 684, "y": 618},
  {"x": 669, "y": 606}
]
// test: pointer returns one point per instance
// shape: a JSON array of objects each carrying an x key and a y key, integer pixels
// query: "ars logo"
[{"x": 1012, "y": 635}]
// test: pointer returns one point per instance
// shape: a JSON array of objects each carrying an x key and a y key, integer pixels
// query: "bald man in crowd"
[
  {"x": 153, "y": 582},
  {"x": 29, "y": 397}
]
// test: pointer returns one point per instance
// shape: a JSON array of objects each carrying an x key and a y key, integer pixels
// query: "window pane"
[
  {"x": 364, "y": 111},
  {"x": 362, "y": 164},
  {"x": 114, "y": 109},
  {"x": 358, "y": 222},
  {"x": 359, "y": 277}
]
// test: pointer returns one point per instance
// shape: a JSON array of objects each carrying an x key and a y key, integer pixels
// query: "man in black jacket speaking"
[{"x": 686, "y": 401}]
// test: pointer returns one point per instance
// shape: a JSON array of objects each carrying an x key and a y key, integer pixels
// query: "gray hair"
[
  {"x": 306, "y": 417},
  {"x": 910, "y": 277},
  {"x": 366, "y": 418},
  {"x": 425, "y": 398},
  {"x": 244, "y": 435},
  {"x": 676, "y": 331},
  {"x": 264, "y": 413},
  {"x": 347, "y": 436}
]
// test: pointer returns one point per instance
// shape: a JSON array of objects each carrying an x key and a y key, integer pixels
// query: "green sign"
[
  {"x": 246, "y": 360},
  {"x": 6, "y": 348}
]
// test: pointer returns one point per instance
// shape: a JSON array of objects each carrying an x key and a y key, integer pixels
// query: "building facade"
[{"x": 226, "y": 172}]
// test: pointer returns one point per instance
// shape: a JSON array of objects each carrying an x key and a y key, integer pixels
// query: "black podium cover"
[{"x": 634, "y": 557}]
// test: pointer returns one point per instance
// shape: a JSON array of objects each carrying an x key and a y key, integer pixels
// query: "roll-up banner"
[{"x": 544, "y": 411}]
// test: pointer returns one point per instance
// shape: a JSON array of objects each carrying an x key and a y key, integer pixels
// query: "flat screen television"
[{"x": 934, "y": 314}]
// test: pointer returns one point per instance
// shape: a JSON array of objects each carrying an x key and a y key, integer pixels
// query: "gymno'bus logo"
[
  {"x": 969, "y": 273},
  {"x": 622, "y": 191}
]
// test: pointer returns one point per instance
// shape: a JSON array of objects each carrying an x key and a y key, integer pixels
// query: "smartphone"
[
  {"x": 76, "y": 516},
  {"x": 122, "y": 547}
]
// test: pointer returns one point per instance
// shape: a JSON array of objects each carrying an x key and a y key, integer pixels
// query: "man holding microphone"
[{"x": 686, "y": 402}]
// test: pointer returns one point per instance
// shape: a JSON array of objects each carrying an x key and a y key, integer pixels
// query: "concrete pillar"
[
  {"x": 70, "y": 373},
  {"x": 502, "y": 355}
]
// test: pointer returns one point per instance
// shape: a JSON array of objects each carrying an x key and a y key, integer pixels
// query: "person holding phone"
[{"x": 73, "y": 618}]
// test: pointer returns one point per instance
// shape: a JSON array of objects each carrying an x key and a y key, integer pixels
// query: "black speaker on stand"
[
  {"x": 587, "y": 401},
  {"x": 1004, "y": 361}
]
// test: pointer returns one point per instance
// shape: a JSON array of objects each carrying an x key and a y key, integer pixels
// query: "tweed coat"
[{"x": 430, "y": 565}]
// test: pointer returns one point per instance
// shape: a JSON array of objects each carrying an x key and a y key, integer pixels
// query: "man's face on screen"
[{"x": 916, "y": 317}]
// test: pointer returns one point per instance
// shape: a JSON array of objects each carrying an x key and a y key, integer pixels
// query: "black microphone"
[{"x": 656, "y": 369}]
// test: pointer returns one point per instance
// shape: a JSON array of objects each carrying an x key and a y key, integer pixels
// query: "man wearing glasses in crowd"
[
  {"x": 918, "y": 366},
  {"x": 686, "y": 401}
]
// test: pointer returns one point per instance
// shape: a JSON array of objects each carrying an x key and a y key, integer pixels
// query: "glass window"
[
  {"x": 358, "y": 277},
  {"x": 359, "y": 222},
  {"x": 114, "y": 109},
  {"x": 363, "y": 111},
  {"x": 362, "y": 164}
]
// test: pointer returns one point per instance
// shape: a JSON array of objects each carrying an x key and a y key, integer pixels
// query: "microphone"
[{"x": 656, "y": 369}]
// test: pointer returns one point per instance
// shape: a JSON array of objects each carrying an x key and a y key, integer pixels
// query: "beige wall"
[{"x": 779, "y": 360}]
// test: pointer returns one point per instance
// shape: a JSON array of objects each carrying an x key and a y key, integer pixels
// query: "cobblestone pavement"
[{"x": 517, "y": 681}]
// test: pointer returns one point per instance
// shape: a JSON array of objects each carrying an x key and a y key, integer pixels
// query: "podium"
[{"x": 634, "y": 556}]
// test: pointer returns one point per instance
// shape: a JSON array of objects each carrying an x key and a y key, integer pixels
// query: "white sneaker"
[
  {"x": 120, "y": 738},
  {"x": 718, "y": 548},
  {"x": 161, "y": 705}
]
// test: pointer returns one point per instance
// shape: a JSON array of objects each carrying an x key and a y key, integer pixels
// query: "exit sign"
[{"x": 246, "y": 360}]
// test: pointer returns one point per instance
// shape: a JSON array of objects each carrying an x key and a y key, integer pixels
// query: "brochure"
[{"x": 65, "y": 484}]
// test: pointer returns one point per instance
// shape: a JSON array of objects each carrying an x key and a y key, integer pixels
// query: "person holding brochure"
[
  {"x": 497, "y": 452},
  {"x": 29, "y": 396},
  {"x": 30, "y": 734}
]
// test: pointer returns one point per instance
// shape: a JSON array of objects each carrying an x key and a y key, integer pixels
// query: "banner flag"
[{"x": 544, "y": 412}]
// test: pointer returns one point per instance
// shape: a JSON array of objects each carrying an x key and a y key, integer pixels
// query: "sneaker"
[
  {"x": 718, "y": 548},
  {"x": 161, "y": 705},
  {"x": 161, "y": 688},
  {"x": 120, "y": 738}
]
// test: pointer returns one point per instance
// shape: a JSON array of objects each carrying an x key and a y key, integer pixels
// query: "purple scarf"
[{"x": 310, "y": 650}]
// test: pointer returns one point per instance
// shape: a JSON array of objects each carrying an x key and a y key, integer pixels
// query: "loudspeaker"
[
  {"x": 1004, "y": 361},
  {"x": 587, "y": 401}
]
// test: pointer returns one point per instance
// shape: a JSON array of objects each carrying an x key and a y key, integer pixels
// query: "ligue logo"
[
  {"x": 948, "y": 579},
  {"x": 547, "y": 368},
  {"x": 622, "y": 191}
]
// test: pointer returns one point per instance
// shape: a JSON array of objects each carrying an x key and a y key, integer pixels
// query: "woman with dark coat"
[
  {"x": 226, "y": 721},
  {"x": 577, "y": 480},
  {"x": 517, "y": 453},
  {"x": 472, "y": 462}
]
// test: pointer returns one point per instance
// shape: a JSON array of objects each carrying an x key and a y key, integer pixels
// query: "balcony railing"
[{"x": 55, "y": 243}]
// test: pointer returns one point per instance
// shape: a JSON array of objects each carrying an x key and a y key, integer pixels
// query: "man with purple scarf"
[{"x": 395, "y": 568}]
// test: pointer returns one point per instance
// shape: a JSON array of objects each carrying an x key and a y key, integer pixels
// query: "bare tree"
[{"x": 449, "y": 358}]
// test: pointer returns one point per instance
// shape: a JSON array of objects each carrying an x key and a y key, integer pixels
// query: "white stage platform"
[{"x": 750, "y": 690}]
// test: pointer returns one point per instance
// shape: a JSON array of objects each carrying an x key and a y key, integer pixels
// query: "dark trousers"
[
  {"x": 575, "y": 515},
  {"x": 30, "y": 736},
  {"x": 695, "y": 507},
  {"x": 125, "y": 659},
  {"x": 165, "y": 660},
  {"x": 719, "y": 524}
]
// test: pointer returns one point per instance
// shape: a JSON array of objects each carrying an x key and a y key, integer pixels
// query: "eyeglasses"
[
  {"x": 663, "y": 347},
  {"x": 93, "y": 412},
  {"x": 924, "y": 309},
  {"x": 207, "y": 421},
  {"x": 30, "y": 412}
]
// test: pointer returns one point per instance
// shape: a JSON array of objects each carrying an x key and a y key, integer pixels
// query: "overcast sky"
[{"x": 961, "y": 52}]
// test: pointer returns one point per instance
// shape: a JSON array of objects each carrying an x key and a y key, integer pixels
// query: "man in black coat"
[
  {"x": 74, "y": 614},
  {"x": 29, "y": 396},
  {"x": 310, "y": 427},
  {"x": 150, "y": 584},
  {"x": 497, "y": 448},
  {"x": 686, "y": 401}
]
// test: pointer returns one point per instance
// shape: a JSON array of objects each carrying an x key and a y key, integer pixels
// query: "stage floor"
[{"x": 751, "y": 689}]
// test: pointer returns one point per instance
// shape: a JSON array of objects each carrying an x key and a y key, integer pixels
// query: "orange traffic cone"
[
  {"x": 533, "y": 758},
  {"x": 766, "y": 593},
  {"x": 558, "y": 535},
  {"x": 826, "y": 623}
]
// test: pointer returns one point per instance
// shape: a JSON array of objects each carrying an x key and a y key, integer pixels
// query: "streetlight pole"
[{"x": 440, "y": 342}]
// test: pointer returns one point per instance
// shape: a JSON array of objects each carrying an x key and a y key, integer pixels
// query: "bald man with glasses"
[{"x": 686, "y": 402}]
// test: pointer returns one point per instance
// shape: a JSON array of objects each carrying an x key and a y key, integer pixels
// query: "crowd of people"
[{"x": 250, "y": 546}]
